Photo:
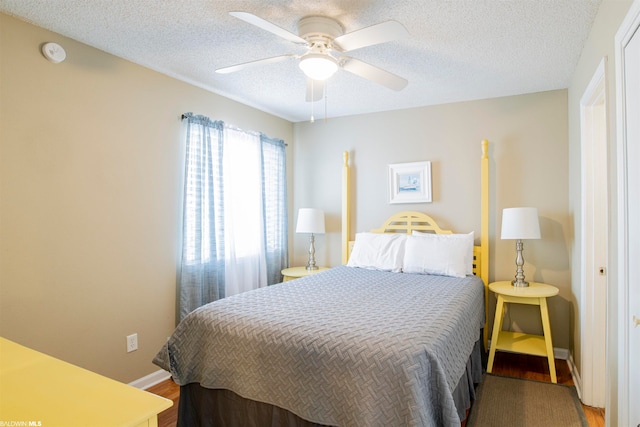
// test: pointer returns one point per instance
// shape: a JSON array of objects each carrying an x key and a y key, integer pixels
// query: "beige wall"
[
  {"x": 599, "y": 45},
  {"x": 528, "y": 158},
  {"x": 90, "y": 178},
  {"x": 90, "y": 175}
]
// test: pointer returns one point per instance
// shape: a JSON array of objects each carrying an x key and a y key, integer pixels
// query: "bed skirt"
[{"x": 204, "y": 407}]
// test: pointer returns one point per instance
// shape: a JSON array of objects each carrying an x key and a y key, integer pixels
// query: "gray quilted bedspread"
[{"x": 345, "y": 347}]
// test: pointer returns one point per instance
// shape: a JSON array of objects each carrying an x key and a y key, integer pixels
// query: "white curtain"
[
  {"x": 245, "y": 257},
  {"x": 234, "y": 212}
]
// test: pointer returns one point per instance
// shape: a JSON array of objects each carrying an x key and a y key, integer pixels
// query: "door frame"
[
  {"x": 595, "y": 238},
  {"x": 629, "y": 26}
]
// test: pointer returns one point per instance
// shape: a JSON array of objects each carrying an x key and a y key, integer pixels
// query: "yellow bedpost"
[
  {"x": 484, "y": 234},
  {"x": 346, "y": 214}
]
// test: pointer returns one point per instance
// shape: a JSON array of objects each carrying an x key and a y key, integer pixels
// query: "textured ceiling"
[{"x": 458, "y": 50}]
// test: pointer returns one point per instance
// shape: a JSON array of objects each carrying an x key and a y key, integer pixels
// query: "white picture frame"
[{"x": 410, "y": 182}]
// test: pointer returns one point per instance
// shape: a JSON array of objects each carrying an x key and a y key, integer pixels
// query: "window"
[{"x": 234, "y": 212}]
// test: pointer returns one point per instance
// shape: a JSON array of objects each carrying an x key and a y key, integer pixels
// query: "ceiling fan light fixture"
[{"x": 318, "y": 66}]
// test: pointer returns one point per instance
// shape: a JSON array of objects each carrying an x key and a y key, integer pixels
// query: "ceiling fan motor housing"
[{"x": 320, "y": 31}]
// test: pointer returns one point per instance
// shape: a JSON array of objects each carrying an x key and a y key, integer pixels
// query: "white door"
[
  {"x": 632, "y": 96},
  {"x": 595, "y": 238},
  {"x": 628, "y": 94}
]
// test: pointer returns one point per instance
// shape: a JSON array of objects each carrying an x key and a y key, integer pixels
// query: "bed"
[{"x": 363, "y": 344}]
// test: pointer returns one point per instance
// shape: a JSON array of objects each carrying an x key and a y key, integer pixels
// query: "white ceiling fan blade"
[
  {"x": 315, "y": 90},
  {"x": 268, "y": 26},
  {"x": 375, "y": 34},
  {"x": 375, "y": 74},
  {"x": 238, "y": 67}
]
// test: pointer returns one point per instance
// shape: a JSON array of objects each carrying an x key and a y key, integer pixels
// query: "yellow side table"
[
  {"x": 297, "y": 272},
  {"x": 518, "y": 342}
]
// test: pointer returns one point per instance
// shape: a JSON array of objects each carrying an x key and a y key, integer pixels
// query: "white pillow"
[
  {"x": 443, "y": 254},
  {"x": 378, "y": 251}
]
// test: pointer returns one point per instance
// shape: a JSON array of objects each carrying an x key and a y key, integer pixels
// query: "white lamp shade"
[
  {"x": 310, "y": 221},
  {"x": 318, "y": 66},
  {"x": 520, "y": 223}
]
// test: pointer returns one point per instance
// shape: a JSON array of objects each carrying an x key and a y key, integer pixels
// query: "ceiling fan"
[{"x": 324, "y": 39}]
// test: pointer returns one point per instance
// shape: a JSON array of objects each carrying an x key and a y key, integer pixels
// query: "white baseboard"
[
  {"x": 561, "y": 353},
  {"x": 151, "y": 379},
  {"x": 577, "y": 382}
]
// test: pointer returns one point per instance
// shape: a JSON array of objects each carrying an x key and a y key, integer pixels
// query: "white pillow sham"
[
  {"x": 376, "y": 251},
  {"x": 442, "y": 254}
]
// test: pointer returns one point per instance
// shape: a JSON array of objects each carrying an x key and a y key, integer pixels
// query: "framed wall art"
[{"x": 410, "y": 182}]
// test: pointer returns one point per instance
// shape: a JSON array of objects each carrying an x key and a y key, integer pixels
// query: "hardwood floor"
[
  {"x": 169, "y": 390},
  {"x": 509, "y": 364}
]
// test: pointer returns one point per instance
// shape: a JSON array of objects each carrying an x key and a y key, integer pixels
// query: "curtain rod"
[{"x": 183, "y": 116}]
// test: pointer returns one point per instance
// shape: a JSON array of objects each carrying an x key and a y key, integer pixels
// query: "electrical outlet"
[{"x": 132, "y": 342}]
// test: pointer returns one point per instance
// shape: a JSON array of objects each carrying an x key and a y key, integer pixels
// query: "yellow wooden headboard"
[{"x": 406, "y": 222}]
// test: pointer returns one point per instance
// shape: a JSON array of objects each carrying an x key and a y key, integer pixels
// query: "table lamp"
[
  {"x": 310, "y": 221},
  {"x": 520, "y": 224}
]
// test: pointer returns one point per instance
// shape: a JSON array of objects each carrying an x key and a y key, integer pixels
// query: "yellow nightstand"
[
  {"x": 297, "y": 272},
  {"x": 518, "y": 342}
]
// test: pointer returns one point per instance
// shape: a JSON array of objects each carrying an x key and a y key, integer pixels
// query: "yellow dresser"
[{"x": 42, "y": 391}]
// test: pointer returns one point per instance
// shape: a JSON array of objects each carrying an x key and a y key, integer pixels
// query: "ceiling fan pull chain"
[
  {"x": 325, "y": 102},
  {"x": 312, "y": 103}
]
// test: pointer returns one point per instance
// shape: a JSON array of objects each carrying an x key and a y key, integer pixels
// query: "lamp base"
[
  {"x": 311, "y": 264},
  {"x": 519, "y": 281}
]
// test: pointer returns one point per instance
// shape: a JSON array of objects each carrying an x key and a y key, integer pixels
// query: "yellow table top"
[
  {"x": 301, "y": 271},
  {"x": 534, "y": 290},
  {"x": 44, "y": 391}
]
